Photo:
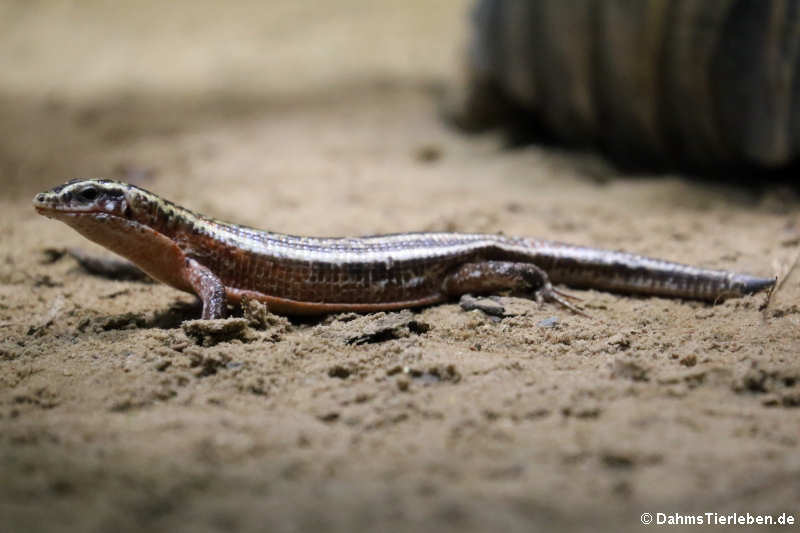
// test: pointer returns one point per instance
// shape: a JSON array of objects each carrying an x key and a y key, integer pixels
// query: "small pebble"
[
  {"x": 549, "y": 322},
  {"x": 486, "y": 305}
]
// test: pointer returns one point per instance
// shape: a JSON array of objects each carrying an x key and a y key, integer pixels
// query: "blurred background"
[
  {"x": 707, "y": 86},
  {"x": 83, "y": 79},
  {"x": 702, "y": 86}
]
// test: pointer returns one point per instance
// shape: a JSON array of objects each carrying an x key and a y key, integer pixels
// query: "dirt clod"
[{"x": 211, "y": 332}]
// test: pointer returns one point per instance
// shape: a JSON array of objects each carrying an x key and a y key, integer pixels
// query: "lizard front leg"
[
  {"x": 208, "y": 287},
  {"x": 493, "y": 276}
]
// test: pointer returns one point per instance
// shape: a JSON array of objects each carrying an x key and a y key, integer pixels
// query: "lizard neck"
[{"x": 156, "y": 254}]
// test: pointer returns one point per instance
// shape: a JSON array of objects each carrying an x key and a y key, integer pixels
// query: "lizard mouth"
[
  {"x": 78, "y": 216},
  {"x": 54, "y": 211}
]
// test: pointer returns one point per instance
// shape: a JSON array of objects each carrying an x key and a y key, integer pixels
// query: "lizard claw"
[
  {"x": 566, "y": 295},
  {"x": 549, "y": 294}
]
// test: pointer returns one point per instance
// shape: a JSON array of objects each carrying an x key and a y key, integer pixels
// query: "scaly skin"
[{"x": 222, "y": 262}]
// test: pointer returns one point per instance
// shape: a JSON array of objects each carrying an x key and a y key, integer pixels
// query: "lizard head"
[
  {"x": 84, "y": 197},
  {"x": 123, "y": 218}
]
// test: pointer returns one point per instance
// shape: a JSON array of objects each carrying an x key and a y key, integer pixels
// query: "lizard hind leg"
[{"x": 493, "y": 276}]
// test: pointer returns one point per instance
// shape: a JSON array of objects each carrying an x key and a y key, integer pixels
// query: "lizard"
[{"x": 222, "y": 262}]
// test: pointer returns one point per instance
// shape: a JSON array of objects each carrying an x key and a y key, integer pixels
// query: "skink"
[{"x": 223, "y": 262}]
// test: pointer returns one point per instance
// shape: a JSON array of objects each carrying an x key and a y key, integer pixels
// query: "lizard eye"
[{"x": 88, "y": 194}]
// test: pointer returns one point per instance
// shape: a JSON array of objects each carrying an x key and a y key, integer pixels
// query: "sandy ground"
[{"x": 323, "y": 120}]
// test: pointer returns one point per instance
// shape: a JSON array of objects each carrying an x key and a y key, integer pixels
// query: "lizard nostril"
[{"x": 40, "y": 197}]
